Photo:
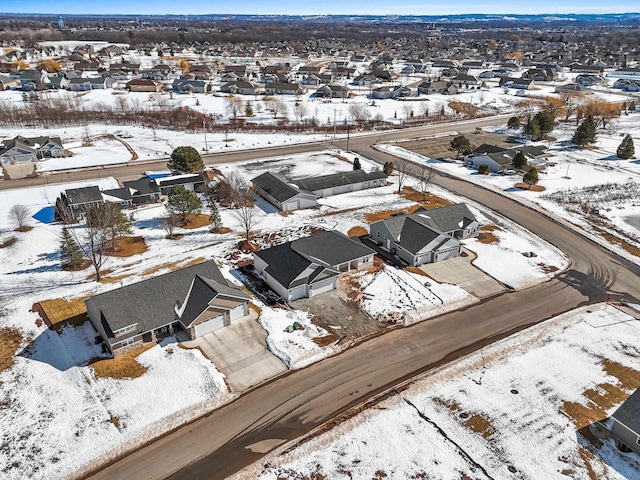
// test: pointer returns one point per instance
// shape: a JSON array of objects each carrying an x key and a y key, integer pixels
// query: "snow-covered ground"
[
  {"x": 567, "y": 168},
  {"x": 52, "y": 395},
  {"x": 511, "y": 409}
]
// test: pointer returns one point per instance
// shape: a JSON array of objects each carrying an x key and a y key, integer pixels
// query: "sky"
[{"x": 354, "y": 7}]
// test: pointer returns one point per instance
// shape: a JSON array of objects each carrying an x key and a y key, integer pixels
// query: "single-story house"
[
  {"x": 29, "y": 149},
  {"x": 518, "y": 83},
  {"x": 144, "y": 85},
  {"x": 309, "y": 266},
  {"x": 496, "y": 161},
  {"x": 626, "y": 423},
  {"x": 189, "y": 86},
  {"x": 283, "y": 194},
  {"x": 426, "y": 236},
  {"x": 364, "y": 80},
  {"x": 289, "y": 195},
  {"x": 571, "y": 88},
  {"x": 241, "y": 88},
  {"x": 143, "y": 190},
  {"x": 190, "y": 181},
  {"x": 284, "y": 89},
  {"x": 196, "y": 299},
  {"x": 85, "y": 84},
  {"x": 332, "y": 91},
  {"x": 344, "y": 182}
]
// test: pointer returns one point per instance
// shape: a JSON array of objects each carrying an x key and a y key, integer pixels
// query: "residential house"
[
  {"x": 426, "y": 236},
  {"x": 332, "y": 91},
  {"x": 94, "y": 83},
  {"x": 364, "y": 80},
  {"x": 157, "y": 72},
  {"x": 29, "y": 149},
  {"x": 284, "y": 89},
  {"x": 190, "y": 181},
  {"x": 465, "y": 81},
  {"x": 437, "y": 86},
  {"x": 496, "y": 161},
  {"x": 189, "y": 86},
  {"x": 580, "y": 68},
  {"x": 391, "y": 91},
  {"x": 58, "y": 82},
  {"x": 143, "y": 190},
  {"x": 196, "y": 299},
  {"x": 571, "y": 88},
  {"x": 627, "y": 85},
  {"x": 309, "y": 266},
  {"x": 282, "y": 194},
  {"x": 311, "y": 80},
  {"x": 144, "y": 85},
  {"x": 540, "y": 74},
  {"x": 74, "y": 203},
  {"x": 626, "y": 423},
  {"x": 7, "y": 82},
  {"x": 517, "y": 83},
  {"x": 241, "y": 88}
]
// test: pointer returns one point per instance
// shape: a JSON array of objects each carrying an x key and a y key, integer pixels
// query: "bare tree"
[
  {"x": 95, "y": 236},
  {"x": 360, "y": 112},
  {"x": 404, "y": 168},
  {"x": 19, "y": 214},
  {"x": 245, "y": 215},
  {"x": 234, "y": 106},
  {"x": 169, "y": 224},
  {"x": 424, "y": 174},
  {"x": 300, "y": 110}
]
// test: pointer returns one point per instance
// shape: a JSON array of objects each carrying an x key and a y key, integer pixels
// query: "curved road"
[{"x": 224, "y": 441}]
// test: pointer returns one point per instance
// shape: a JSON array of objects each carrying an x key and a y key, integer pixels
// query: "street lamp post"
[{"x": 204, "y": 128}]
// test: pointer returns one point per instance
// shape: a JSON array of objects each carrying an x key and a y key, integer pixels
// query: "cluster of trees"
[{"x": 104, "y": 225}]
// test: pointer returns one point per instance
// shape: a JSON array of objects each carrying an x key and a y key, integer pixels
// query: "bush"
[{"x": 483, "y": 169}]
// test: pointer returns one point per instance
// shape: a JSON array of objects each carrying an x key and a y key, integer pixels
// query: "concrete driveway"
[
  {"x": 460, "y": 271},
  {"x": 240, "y": 352}
]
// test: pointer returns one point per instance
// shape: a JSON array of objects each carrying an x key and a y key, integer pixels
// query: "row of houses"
[
  {"x": 499, "y": 159},
  {"x": 20, "y": 150}
]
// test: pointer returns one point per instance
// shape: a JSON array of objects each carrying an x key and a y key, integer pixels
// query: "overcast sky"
[{"x": 298, "y": 7}]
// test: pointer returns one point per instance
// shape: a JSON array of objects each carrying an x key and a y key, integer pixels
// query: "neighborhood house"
[
  {"x": 426, "y": 236},
  {"x": 309, "y": 266},
  {"x": 195, "y": 300}
]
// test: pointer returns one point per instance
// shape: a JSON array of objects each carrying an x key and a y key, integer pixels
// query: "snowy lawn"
[
  {"x": 297, "y": 348},
  {"x": 514, "y": 408},
  {"x": 397, "y": 296}
]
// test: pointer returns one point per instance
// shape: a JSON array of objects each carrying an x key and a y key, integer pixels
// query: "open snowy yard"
[{"x": 494, "y": 414}]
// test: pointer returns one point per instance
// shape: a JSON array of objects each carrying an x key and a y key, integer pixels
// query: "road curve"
[{"x": 217, "y": 445}]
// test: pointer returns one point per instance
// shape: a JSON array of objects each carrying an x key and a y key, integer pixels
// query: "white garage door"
[
  {"x": 210, "y": 325},
  {"x": 317, "y": 289},
  {"x": 237, "y": 312}
]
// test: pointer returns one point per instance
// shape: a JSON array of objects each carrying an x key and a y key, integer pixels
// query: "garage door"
[
  {"x": 210, "y": 325},
  {"x": 317, "y": 289},
  {"x": 237, "y": 312}
]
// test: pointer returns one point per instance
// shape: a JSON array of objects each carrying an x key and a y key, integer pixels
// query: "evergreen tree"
[
  {"x": 388, "y": 168},
  {"x": 585, "y": 133},
  {"x": 356, "y": 164},
  {"x": 519, "y": 160},
  {"x": 531, "y": 177},
  {"x": 186, "y": 159},
  {"x": 514, "y": 122},
  {"x": 626, "y": 149},
  {"x": 183, "y": 202},
  {"x": 532, "y": 128},
  {"x": 248, "y": 110},
  {"x": 545, "y": 121},
  {"x": 483, "y": 169},
  {"x": 214, "y": 216},
  {"x": 461, "y": 145},
  {"x": 70, "y": 252}
]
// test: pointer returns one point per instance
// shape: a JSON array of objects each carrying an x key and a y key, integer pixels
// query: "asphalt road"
[
  {"x": 221, "y": 443},
  {"x": 138, "y": 167}
]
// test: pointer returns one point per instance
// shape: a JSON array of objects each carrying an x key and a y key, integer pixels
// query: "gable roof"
[
  {"x": 336, "y": 179},
  {"x": 330, "y": 248},
  {"x": 415, "y": 235},
  {"x": 445, "y": 219},
  {"x": 629, "y": 412},
  {"x": 276, "y": 186},
  {"x": 151, "y": 303},
  {"x": 83, "y": 195}
]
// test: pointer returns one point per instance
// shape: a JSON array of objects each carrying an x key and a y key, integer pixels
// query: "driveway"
[
  {"x": 240, "y": 352},
  {"x": 460, "y": 271}
]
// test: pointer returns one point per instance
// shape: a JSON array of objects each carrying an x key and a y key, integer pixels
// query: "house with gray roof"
[
  {"x": 499, "y": 159},
  {"x": 73, "y": 203},
  {"x": 309, "y": 266},
  {"x": 626, "y": 423},
  {"x": 282, "y": 194},
  {"x": 29, "y": 149},
  {"x": 426, "y": 236},
  {"x": 196, "y": 299}
]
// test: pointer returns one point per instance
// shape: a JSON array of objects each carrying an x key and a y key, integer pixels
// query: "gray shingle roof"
[
  {"x": 150, "y": 303},
  {"x": 142, "y": 186},
  {"x": 336, "y": 179},
  {"x": 76, "y": 196},
  {"x": 445, "y": 219},
  {"x": 330, "y": 248},
  {"x": 276, "y": 186},
  {"x": 629, "y": 412},
  {"x": 416, "y": 235},
  {"x": 284, "y": 265}
]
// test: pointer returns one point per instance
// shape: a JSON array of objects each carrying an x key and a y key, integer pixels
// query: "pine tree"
[
  {"x": 514, "y": 122},
  {"x": 388, "y": 168},
  {"x": 214, "y": 217},
  {"x": 183, "y": 202},
  {"x": 70, "y": 252},
  {"x": 519, "y": 160},
  {"x": 585, "y": 133},
  {"x": 248, "y": 110},
  {"x": 626, "y": 149},
  {"x": 356, "y": 164},
  {"x": 532, "y": 128},
  {"x": 531, "y": 177}
]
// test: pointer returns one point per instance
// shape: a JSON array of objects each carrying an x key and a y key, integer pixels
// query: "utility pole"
[{"x": 204, "y": 128}]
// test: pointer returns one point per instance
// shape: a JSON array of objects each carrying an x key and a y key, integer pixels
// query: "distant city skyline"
[{"x": 320, "y": 7}]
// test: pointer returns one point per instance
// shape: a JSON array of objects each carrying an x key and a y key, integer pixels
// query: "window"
[
  {"x": 127, "y": 342},
  {"x": 638, "y": 440}
]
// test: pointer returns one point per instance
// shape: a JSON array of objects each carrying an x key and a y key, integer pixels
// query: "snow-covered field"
[
  {"x": 511, "y": 410},
  {"x": 568, "y": 168},
  {"x": 56, "y": 414}
]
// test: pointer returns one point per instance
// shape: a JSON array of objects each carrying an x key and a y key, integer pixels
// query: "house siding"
[{"x": 626, "y": 435}]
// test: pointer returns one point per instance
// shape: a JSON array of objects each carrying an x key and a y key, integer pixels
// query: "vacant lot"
[{"x": 439, "y": 147}]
